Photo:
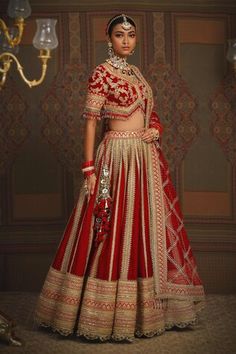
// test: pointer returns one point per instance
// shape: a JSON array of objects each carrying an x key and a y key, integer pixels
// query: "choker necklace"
[{"x": 120, "y": 63}]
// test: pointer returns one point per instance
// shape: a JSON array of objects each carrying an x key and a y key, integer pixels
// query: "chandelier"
[{"x": 44, "y": 40}]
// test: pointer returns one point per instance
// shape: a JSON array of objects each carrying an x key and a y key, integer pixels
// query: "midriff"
[{"x": 135, "y": 122}]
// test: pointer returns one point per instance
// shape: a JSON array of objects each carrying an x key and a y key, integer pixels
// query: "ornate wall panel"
[
  {"x": 223, "y": 125},
  {"x": 34, "y": 184},
  {"x": 206, "y": 185},
  {"x": 74, "y": 38},
  {"x": 173, "y": 100},
  {"x": 14, "y": 126},
  {"x": 175, "y": 105},
  {"x": 62, "y": 124},
  {"x": 183, "y": 56},
  {"x": 159, "y": 38}
]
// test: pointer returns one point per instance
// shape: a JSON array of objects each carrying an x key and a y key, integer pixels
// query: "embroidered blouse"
[{"x": 112, "y": 96}]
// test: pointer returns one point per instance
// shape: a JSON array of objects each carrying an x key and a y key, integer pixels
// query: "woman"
[{"x": 124, "y": 267}]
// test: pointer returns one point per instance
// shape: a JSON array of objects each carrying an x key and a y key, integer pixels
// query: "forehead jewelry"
[{"x": 125, "y": 25}]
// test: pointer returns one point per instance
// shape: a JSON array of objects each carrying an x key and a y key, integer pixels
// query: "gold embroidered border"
[
  {"x": 149, "y": 106},
  {"x": 121, "y": 309},
  {"x": 118, "y": 309},
  {"x": 122, "y": 113},
  {"x": 165, "y": 288},
  {"x": 59, "y": 301},
  {"x": 158, "y": 234},
  {"x": 129, "y": 212},
  {"x": 125, "y": 134},
  {"x": 143, "y": 168},
  {"x": 115, "y": 210}
]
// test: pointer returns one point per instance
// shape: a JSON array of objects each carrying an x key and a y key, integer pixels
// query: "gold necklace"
[{"x": 121, "y": 64}]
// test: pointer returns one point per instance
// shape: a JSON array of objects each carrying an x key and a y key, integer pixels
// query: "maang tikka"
[{"x": 126, "y": 25}]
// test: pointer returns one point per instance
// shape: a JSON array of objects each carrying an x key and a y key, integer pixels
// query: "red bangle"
[
  {"x": 87, "y": 163},
  {"x": 89, "y": 173}
]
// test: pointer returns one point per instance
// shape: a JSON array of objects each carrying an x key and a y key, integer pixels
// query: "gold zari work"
[{"x": 133, "y": 303}]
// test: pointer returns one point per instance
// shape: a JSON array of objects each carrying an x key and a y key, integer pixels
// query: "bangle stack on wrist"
[{"x": 88, "y": 168}]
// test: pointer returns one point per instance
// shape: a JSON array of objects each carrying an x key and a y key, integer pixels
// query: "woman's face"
[{"x": 123, "y": 41}]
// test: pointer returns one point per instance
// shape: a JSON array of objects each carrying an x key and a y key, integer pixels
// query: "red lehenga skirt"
[{"x": 138, "y": 279}]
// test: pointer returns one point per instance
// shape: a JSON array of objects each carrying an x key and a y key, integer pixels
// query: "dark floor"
[{"x": 215, "y": 333}]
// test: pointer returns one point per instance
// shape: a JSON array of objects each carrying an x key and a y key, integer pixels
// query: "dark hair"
[{"x": 115, "y": 20}]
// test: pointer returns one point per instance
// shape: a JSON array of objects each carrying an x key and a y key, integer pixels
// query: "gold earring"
[
  {"x": 110, "y": 50},
  {"x": 132, "y": 52}
]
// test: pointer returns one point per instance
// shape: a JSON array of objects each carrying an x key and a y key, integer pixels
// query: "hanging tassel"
[{"x": 102, "y": 209}]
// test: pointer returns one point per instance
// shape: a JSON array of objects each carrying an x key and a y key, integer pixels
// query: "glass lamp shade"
[
  {"x": 19, "y": 8},
  {"x": 45, "y": 37},
  {"x": 231, "y": 53}
]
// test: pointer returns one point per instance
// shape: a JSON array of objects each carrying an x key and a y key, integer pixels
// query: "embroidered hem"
[
  {"x": 110, "y": 309},
  {"x": 118, "y": 338}
]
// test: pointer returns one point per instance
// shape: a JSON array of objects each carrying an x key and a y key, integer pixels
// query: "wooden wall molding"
[
  {"x": 28, "y": 236},
  {"x": 227, "y": 6},
  {"x": 46, "y": 241},
  {"x": 212, "y": 234}
]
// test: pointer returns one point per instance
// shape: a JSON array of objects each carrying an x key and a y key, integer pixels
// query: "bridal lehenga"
[{"x": 138, "y": 277}]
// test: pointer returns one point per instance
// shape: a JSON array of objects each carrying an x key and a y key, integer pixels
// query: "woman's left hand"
[{"x": 150, "y": 135}]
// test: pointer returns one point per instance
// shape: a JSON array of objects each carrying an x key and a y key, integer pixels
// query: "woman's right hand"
[{"x": 91, "y": 182}]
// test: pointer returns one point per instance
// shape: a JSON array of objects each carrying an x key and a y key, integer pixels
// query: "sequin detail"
[{"x": 102, "y": 210}]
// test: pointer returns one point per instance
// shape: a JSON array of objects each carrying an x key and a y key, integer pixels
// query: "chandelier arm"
[
  {"x": 8, "y": 57},
  {"x": 19, "y": 23},
  {"x": 5, "y": 68},
  {"x": 3, "y": 79}
]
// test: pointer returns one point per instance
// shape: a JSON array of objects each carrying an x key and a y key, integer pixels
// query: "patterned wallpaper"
[
  {"x": 51, "y": 116},
  {"x": 14, "y": 126},
  {"x": 223, "y": 125},
  {"x": 41, "y": 136}
]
